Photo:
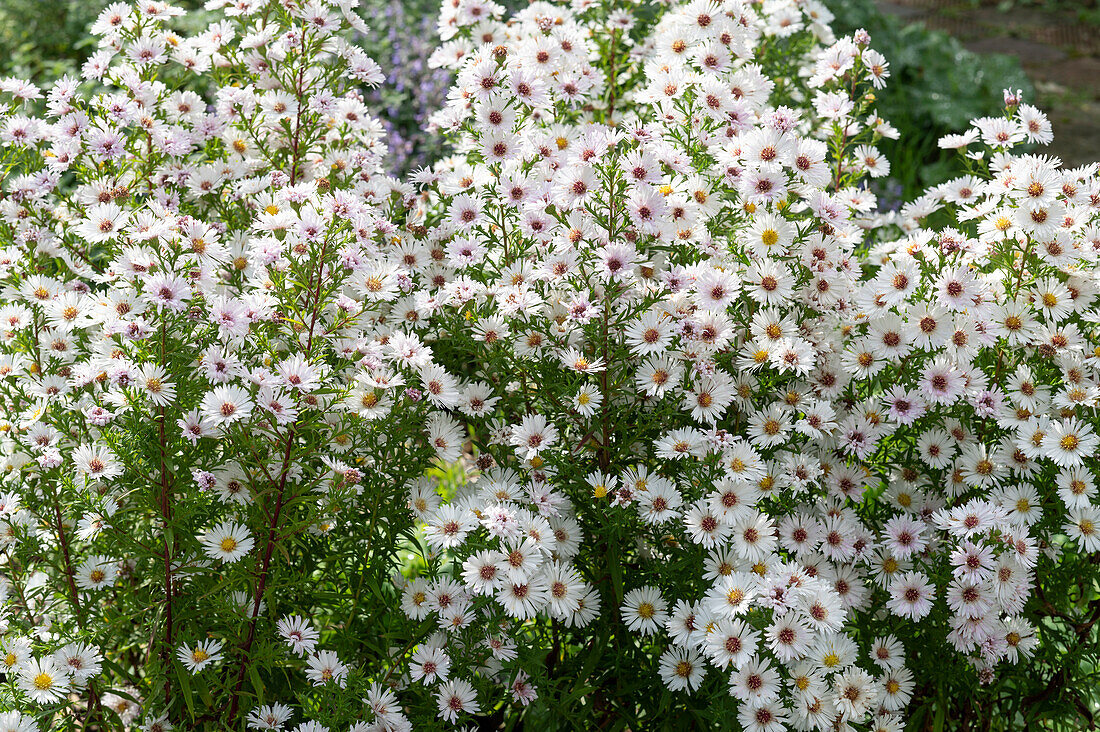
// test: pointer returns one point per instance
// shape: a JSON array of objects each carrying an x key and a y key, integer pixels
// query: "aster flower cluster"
[
  {"x": 187, "y": 308},
  {"x": 652, "y": 256},
  {"x": 634, "y": 406},
  {"x": 698, "y": 352}
]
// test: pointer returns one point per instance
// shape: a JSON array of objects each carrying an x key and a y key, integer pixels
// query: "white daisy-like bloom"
[
  {"x": 587, "y": 400},
  {"x": 1069, "y": 442},
  {"x": 1076, "y": 487},
  {"x": 446, "y": 435},
  {"x": 656, "y": 376},
  {"x": 152, "y": 380},
  {"x": 896, "y": 689},
  {"x": 80, "y": 659},
  {"x": 731, "y": 642},
  {"x": 644, "y": 610},
  {"x": 270, "y": 716},
  {"x": 167, "y": 290},
  {"x": 755, "y": 683},
  {"x": 245, "y": 600},
  {"x": 1084, "y": 527},
  {"x": 705, "y": 525},
  {"x": 769, "y": 716},
  {"x": 325, "y": 667},
  {"x": 887, "y": 653},
  {"x": 198, "y": 656},
  {"x": 440, "y": 388},
  {"x": 298, "y": 633},
  {"x": 430, "y": 664},
  {"x": 660, "y": 502},
  {"x": 905, "y": 536},
  {"x": 96, "y": 462},
  {"x": 855, "y": 692},
  {"x": 227, "y": 542},
  {"x": 792, "y": 354},
  {"x": 731, "y": 595},
  {"x": 102, "y": 223},
  {"x": 477, "y": 399},
  {"x": 456, "y": 697},
  {"x": 16, "y": 654},
  {"x": 522, "y": 559},
  {"x": 681, "y": 669},
  {"x": 311, "y": 726},
  {"x": 649, "y": 334},
  {"x": 533, "y": 435},
  {"x": 822, "y": 609},
  {"x": 17, "y": 722},
  {"x": 789, "y": 637},
  {"x": 911, "y": 595},
  {"x": 482, "y": 572},
  {"x": 523, "y": 600},
  {"x": 43, "y": 681},
  {"x": 415, "y": 600},
  {"x": 225, "y": 405},
  {"x": 96, "y": 573},
  {"x": 448, "y": 526},
  {"x": 444, "y": 593}
]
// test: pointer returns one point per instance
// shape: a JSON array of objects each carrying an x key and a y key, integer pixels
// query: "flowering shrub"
[
  {"x": 184, "y": 316},
  {"x": 633, "y": 407}
]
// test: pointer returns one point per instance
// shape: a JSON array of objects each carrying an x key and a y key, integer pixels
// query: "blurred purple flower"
[{"x": 404, "y": 35}]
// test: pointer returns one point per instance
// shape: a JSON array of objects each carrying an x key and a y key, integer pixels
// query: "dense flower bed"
[{"x": 634, "y": 406}]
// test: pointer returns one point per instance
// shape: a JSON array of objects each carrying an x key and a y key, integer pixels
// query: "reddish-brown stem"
[
  {"x": 298, "y": 91},
  {"x": 273, "y": 525},
  {"x": 69, "y": 573},
  {"x": 166, "y": 517},
  {"x": 93, "y": 698}
]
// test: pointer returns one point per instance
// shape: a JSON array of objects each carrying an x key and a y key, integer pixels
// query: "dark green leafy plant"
[{"x": 936, "y": 87}]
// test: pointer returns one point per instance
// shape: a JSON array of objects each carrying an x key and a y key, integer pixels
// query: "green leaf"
[
  {"x": 941, "y": 716},
  {"x": 576, "y": 694},
  {"x": 188, "y": 695},
  {"x": 257, "y": 683}
]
